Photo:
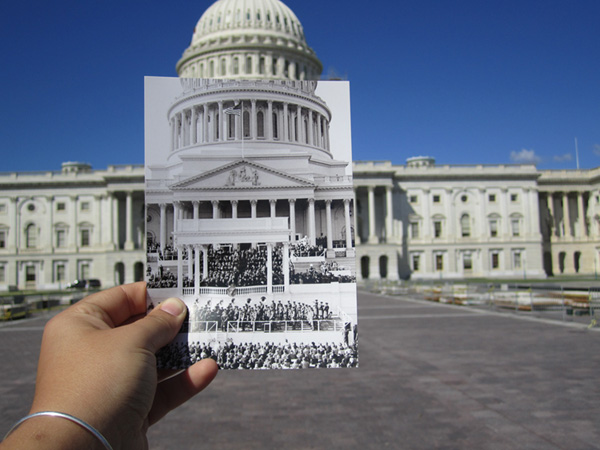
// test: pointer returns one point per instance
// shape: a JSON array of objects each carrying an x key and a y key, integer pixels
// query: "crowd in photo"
[
  {"x": 168, "y": 253},
  {"x": 258, "y": 356},
  {"x": 233, "y": 267},
  {"x": 262, "y": 311},
  {"x": 242, "y": 267},
  {"x": 302, "y": 248}
]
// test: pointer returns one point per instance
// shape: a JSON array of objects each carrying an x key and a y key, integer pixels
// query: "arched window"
[
  {"x": 249, "y": 64},
  {"x": 260, "y": 124},
  {"x": 201, "y": 71},
  {"x": 31, "y": 236},
  {"x": 261, "y": 67},
  {"x": 305, "y": 130},
  {"x": 246, "y": 124},
  {"x": 211, "y": 69},
  {"x": 223, "y": 66},
  {"x": 465, "y": 225},
  {"x": 236, "y": 65},
  {"x": 231, "y": 126},
  {"x": 275, "y": 129}
]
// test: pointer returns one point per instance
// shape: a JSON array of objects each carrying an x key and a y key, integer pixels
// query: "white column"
[
  {"x": 185, "y": 129},
  {"x": 311, "y": 221},
  {"x": 215, "y": 205},
  {"x": 389, "y": 214},
  {"x": 269, "y": 268},
  {"x": 234, "y": 204},
  {"x": 221, "y": 122},
  {"x": 272, "y": 205},
  {"x": 553, "y": 224},
  {"x": 190, "y": 261},
  {"x": 286, "y": 267},
  {"x": 329, "y": 225},
  {"x": 504, "y": 212},
  {"x": 173, "y": 145},
  {"x": 129, "y": 222},
  {"x": 371, "y": 201},
  {"x": 163, "y": 226},
  {"x": 357, "y": 239},
  {"x": 534, "y": 218},
  {"x": 286, "y": 135},
  {"x": 581, "y": 215},
  {"x": 114, "y": 230},
  {"x": 347, "y": 223},
  {"x": 197, "y": 269},
  {"x": 175, "y": 218},
  {"x": 269, "y": 120},
  {"x": 204, "y": 261},
  {"x": 179, "y": 269},
  {"x": 319, "y": 141},
  {"x": 196, "y": 206},
  {"x": 194, "y": 126},
  {"x": 310, "y": 128},
  {"x": 205, "y": 123},
  {"x": 253, "y": 209},
  {"x": 566, "y": 215},
  {"x": 426, "y": 214},
  {"x": 299, "y": 123},
  {"x": 75, "y": 234},
  {"x": 292, "y": 203}
]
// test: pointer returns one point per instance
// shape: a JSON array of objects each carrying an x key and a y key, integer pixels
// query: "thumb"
[{"x": 159, "y": 327}]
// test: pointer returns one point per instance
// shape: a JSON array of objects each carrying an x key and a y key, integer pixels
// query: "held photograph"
[{"x": 250, "y": 221}]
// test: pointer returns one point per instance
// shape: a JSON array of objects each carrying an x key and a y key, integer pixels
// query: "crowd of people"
[
  {"x": 168, "y": 253},
  {"x": 273, "y": 313},
  {"x": 234, "y": 267},
  {"x": 258, "y": 356}
]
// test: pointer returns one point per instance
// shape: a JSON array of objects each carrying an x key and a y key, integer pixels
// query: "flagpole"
[{"x": 242, "y": 114}]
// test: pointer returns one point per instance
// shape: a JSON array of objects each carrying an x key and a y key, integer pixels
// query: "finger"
[
  {"x": 159, "y": 327},
  {"x": 177, "y": 390},
  {"x": 117, "y": 305}
]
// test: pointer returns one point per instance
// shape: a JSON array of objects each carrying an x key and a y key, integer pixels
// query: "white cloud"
[
  {"x": 563, "y": 158},
  {"x": 597, "y": 149},
  {"x": 525, "y": 157}
]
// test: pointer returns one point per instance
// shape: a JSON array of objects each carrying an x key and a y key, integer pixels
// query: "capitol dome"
[{"x": 249, "y": 39}]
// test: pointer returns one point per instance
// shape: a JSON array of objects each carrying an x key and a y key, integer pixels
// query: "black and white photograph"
[{"x": 250, "y": 220}]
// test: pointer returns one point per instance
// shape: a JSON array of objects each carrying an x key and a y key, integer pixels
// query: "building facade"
[
  {"x": 418, "y": 220},
  {"x": 76, "y": 223}
]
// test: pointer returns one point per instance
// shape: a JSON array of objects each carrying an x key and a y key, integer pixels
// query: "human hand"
[{"x": 97, "y": 363}]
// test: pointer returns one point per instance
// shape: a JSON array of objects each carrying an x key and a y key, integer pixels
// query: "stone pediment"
[{"x": 241, "y": 175}]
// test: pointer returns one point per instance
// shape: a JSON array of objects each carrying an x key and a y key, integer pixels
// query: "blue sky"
[{"x": 467, "y": 82}]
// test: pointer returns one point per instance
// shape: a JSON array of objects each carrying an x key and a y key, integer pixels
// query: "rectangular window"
[
  {"x": 30, "y": 274},
  {"x": 414, "y": 230},
  {"x": 516, "y": 228},
  {"x": 439, "y": 262},
  {"x": 436, "y": 199},
  {"x": 517, "y": 260},
  {"x": 2, "y": 238},
  {"x": 514, "y": 198},
  {"x": 85, "y": 238},
  {"x": 2, "y": 208},
  {"x": 2, "y": 274},
  {"x": 413, "y": 199},
  {"x": 492, "y": 198},
  {"x": 493, "y": 228},
  {"x": 84, "y": 271},
  {"x": 85, "y": 206},
  {"x": 60, "y": 272},
  {"x": 416, "y": 260},
  {"x": 61, "y": 206},
  {"x": 495, "y": 260},
  {"x": 61, "y": 238},
  {"x": 467, "y": 261},
  {"x": 437, "y": 228}
]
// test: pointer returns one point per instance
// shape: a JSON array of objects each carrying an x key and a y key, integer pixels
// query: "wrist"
[{"x": 50, "y": 432}]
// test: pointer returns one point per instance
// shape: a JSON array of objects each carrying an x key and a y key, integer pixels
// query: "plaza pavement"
[{"x": 430, "y": 376}]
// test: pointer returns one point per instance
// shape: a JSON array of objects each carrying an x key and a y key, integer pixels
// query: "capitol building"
[{"x": 416, "y": 220}]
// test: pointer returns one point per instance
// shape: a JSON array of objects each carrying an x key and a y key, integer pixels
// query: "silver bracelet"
[{"x": 79, "y": 422}]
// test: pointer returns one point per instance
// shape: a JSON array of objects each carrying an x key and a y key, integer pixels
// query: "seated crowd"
[
  {"x": 248, "y": 267},
  {"x": 257, "y": 356},
  {"x": 262, "y": 311}
]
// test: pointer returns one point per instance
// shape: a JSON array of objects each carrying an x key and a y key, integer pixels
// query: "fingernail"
[{"x": 172, "y": 306}]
